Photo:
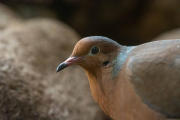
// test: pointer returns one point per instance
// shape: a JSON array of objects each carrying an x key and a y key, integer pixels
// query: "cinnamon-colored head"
[
  {"x": 91, "y": 53},
  {"x": 98, "y": 56}
]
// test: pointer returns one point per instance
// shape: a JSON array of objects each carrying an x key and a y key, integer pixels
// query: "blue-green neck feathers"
[{"x": 120, "y": 60}]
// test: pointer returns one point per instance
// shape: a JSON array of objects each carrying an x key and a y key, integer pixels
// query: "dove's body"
[{"x": 138, "y": 83}]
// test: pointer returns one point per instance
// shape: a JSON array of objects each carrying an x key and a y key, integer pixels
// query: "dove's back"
[{"x": 155, "y": 74}]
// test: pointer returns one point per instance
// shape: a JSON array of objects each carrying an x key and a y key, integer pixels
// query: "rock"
[
  {"x": 37, "y": 43},
  {"x": 29, "y": 87},
  {"x": 172, "y": 34},
  {"x": 8, "y": 17}
]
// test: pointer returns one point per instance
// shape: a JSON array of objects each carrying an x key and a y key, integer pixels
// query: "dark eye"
[{"x": 94, "y": 50}]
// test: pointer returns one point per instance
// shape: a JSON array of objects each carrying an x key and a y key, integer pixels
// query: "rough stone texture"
[
  {"x": 173, "y": 34},
  {"x": 8, "y": 17},
  {"x": 30, "y": 89}
]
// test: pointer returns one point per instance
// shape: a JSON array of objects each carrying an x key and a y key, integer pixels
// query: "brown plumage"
[{"x": 131, "y": 83}]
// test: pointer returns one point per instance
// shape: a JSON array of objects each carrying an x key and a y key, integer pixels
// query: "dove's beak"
[{"x": 70, "y": 61}]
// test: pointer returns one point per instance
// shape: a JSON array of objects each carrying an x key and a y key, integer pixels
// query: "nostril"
[{"x": 105, "y": 63}]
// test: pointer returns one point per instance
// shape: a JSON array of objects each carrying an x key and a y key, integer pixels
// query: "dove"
[{"x": 131, "y": 82}]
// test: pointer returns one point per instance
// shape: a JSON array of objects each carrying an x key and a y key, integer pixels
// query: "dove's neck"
[
  {"x": 103, "y": 80},
  {"x": 120, "y": 60}
]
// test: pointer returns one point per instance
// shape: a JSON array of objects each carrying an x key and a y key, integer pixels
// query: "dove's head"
[
  {"x": 102, "y": 59},
  {"x": 92, "y": 53}
]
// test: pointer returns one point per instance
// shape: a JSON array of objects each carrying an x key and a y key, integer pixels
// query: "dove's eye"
[{"x": 94, "y": 50}]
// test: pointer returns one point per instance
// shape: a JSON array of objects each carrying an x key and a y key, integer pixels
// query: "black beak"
[
  {"x": 70, "y": 61},
  {"x": 61, "y": 67}
]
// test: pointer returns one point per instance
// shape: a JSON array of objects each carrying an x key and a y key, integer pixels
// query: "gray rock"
[
  {"x": 29, "y": 87},
  {"x": 8, "y": 17},
  {"x": 172, "y": 34}
]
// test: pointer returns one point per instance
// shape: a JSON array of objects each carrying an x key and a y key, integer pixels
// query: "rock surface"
[
  {"x": 29, "y": 87},
  {"x": 172, "y": 34},
  {"x": 8, "y": 17}
]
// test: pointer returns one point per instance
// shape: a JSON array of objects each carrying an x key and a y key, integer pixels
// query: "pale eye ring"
[{"x": 94, "y": 50}]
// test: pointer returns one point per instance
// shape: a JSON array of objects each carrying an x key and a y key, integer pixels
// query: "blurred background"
[
  {"x": 130, "y": 22},
  {"x": 37, "y": 35}
]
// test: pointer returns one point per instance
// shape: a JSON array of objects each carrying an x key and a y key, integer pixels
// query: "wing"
[{"x": 155, "y": 74}]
